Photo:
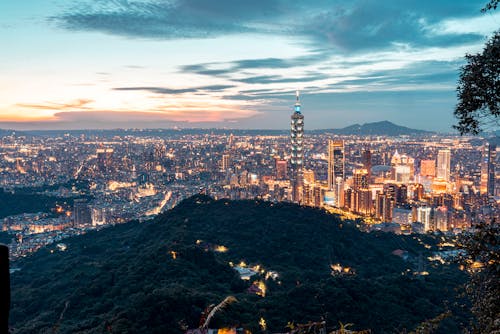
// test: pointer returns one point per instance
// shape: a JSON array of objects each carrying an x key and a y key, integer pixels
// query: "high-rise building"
[
  {"x": 297, "y": 154},
  {"x": 417, "y": 191},
  {"x": 488, "y": 169},
  {"x": 403, "y": 167},
  {"x": 443, "y": 164},
  {"x": 309, "y": 176},
  {"x": 98, "y": 216},
  {"x": 362, "y": 201},
  {"x": 360, "y": 179},
  {"x": 424, "y": 217},
  {"x": 307, "y": 194},
  {"x": 397, "y": 192},
  {"x": 318, "y": 195},
  {"x": 225, "y": 162},
  {"x": 402, "y": 173},
  {"x": 402, "y": 216},
  {"x": 281, "y": 166},
  {"x": 383, "y": 207},
  {"x": 428, "y": 168},
  {"x": 339, "y": 192},
  {"x": 81, "y": 213},
  {"x": 366, "y": 160},
  {"x": 336, "y": 162},
  {"x": 441, "y": 218}
]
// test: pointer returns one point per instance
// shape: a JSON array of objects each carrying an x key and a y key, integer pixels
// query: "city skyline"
[{"x": 150, "y": 64}]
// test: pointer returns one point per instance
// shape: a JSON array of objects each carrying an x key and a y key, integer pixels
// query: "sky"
[{"x": 73, "y": 64}]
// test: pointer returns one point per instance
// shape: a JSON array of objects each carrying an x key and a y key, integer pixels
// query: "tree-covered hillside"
[
  {"x": 159, "y": 276},
  {"x": 17, "y": 203}
]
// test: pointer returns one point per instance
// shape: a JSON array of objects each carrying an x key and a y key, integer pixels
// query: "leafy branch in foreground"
[
  {"x": 478, "y": 90},
  {"x": 482, "y": 259},
  {"x": 493, "y": 4}
]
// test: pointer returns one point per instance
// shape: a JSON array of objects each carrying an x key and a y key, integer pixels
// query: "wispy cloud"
[
  {"x": 169, "y": 19},
  {"x": 352, "y": 26},
  {"x": 173, "y": 91},
  {"x": 78, "y": 104},
  {"x": 361, "y": 44}
]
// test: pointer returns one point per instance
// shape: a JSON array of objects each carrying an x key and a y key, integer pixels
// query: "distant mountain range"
[
  {"x": 377, "y": 129},
  {"x": 383, "y": 128}
]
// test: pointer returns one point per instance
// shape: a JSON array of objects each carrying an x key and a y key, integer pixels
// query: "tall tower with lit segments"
[{"x": 297, "y": 154}]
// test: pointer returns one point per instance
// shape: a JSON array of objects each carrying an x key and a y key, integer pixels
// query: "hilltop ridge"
[
  {"x": 378, "y": 129},
  {"x": 158, "y": 276}
]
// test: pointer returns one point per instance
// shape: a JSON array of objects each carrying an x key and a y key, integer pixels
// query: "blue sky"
[{"x": 228, "y": 63}]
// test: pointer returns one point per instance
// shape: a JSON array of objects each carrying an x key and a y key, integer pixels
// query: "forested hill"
[
  {"x": 158, "y": 276},
  {"x": 14, "y": 203}
]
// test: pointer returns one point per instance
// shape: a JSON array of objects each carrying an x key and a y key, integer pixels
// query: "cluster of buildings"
[
  {"x": 402, "y": 196},
  {"x": 412, "y": 183}
]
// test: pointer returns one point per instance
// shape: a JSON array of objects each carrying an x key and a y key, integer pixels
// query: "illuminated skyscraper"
[
  {"x": 424, "y": 217},
  {"x": 281, "y": 166},
  {"x": 443, "y": 164},
  {"x": 428, "y": 168},
  {"x": 297, "y": 154},
  {"x": 383, "y": 207},
  {"x": 402, "y": 174},
  {"x": 81, "y": 213},
  {"x": 360, "y": 179},
  {"x": 309, "y": 176},
  {"x": 225, "y": 162},
  {"x": 366, "y": 160},
  {"x": 336, "y": 162},
  {"x": 488, "y": 169},
  {"x": 441, "y": 218}
]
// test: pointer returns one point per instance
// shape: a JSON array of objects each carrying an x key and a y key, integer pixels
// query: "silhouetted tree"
[
  {"x": 479, "y": 86},
  {"x": 491, "y": 5},
  {"x": 479, "y": 89},
  {"x": 483, "y": 260}
]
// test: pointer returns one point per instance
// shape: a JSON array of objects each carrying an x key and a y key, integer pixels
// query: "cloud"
[
  {"x": 423, "y": 74},
  {"x": 173, "y": 91},
  {"x": 77, "y": 104},
  {"x": 169, "y": 19},
  {"x": 193, "y": 115},
  {"x": 370, "y": 24},
  {"x": 345, "y": 47},
  {"x": 336, "y": 25},
  {"x": 105, "y": 119},
  {"x": 225, "y": 69},
  {"x": 266, "y": 79}
]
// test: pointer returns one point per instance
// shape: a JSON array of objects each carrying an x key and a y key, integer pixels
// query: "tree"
[
  {"x": 491, "y": 5},
  {"x": 482, "y": 259},
  {"x": 478, "y": 88}
]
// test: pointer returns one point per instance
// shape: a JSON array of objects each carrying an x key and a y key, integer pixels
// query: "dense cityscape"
[
  {"x": 239, "y": 167},
  {"x": 416, "y": 183}
]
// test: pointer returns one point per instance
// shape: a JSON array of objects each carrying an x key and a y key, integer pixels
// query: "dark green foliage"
[
  {"x": 479, "y": 89},
  {"x": 493, "y": 4},
  {"x": 124, "y": 280},
  {"x": 483, "y": 247},
  {"x": 17, "y": 203},
  {"x": 5, "y": 238}
]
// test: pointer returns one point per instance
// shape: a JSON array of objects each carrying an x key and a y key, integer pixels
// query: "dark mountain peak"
[
  {"x": 386, "y": 128},
  {"x": 383, "y": 123}
]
